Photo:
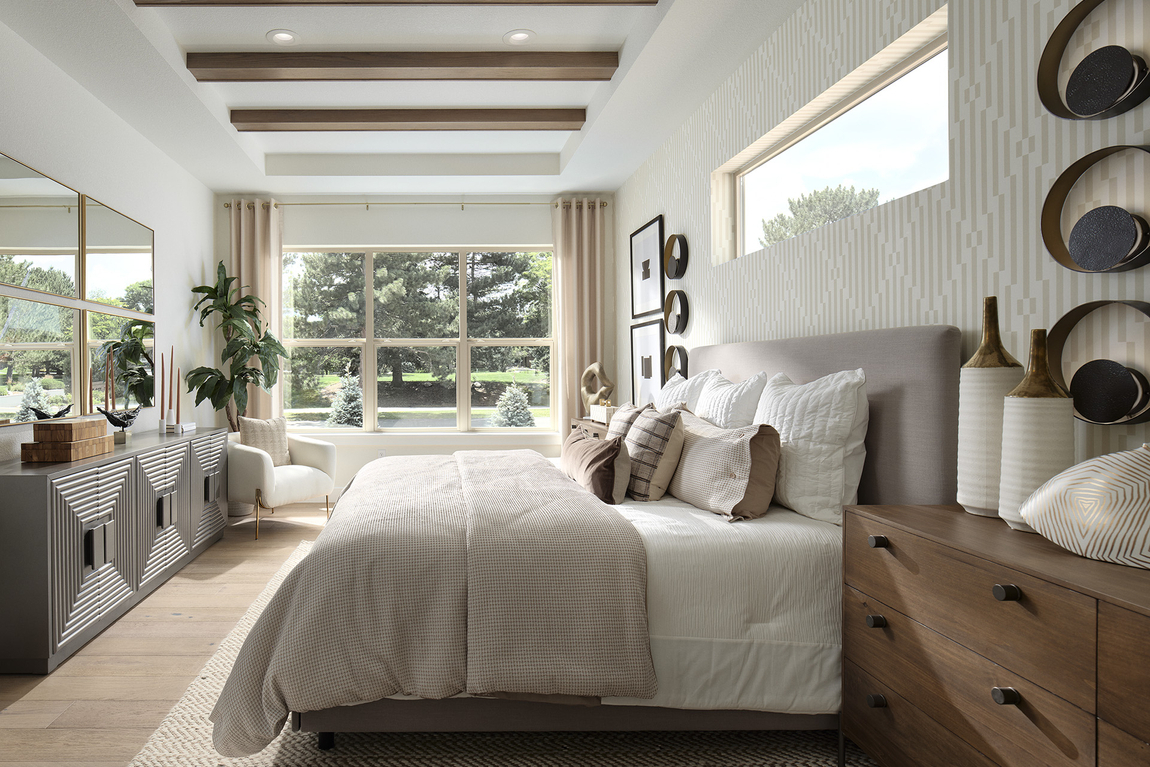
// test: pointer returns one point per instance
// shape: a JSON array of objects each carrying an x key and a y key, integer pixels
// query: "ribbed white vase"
[
  {"x": 1037, "y": 434},
  {"x": 980, "y": 400}
]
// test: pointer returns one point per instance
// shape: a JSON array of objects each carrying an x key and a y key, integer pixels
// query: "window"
[
  {"x": 457, "y": 339},
  {"x": 36, "y": 358}
]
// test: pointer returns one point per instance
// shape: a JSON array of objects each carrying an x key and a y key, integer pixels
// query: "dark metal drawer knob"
[
  {"x": 1006, "y": 696},
  {"x": 876, "y": 701},
  {"x": 878, "y": 541},
  {"x": 875, "y": 622},
  {"x": 1007, "y": 592}
]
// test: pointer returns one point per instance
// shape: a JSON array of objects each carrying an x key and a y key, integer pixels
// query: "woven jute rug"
[{"x": 184, "y": 739}]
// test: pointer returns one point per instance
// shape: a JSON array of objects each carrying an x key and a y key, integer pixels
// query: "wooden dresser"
[
  {"x": 967, "y": 643},
  {"x": 592, "y": 429}
]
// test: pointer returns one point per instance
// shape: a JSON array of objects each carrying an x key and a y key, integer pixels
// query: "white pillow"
[
  {"x": 731, "y": 405},
  {"x": 680, "y": 389},
  {"x": 822, "y": 425}
]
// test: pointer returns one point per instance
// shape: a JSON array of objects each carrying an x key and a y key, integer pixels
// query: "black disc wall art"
[
  {"x": 1105, "y": 392},
  {"x": 676, "y": 311},
  {"x": 1106, "y": 239},
  {"x": 675, "y": 361},
  {"x": 1109, "y": 81},
  {"x": 675, "y": 257}
]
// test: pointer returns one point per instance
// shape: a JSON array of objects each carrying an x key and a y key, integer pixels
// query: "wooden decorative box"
[
  {"x": 71, "y": 430},
  {"x": 55, "y": 452}
]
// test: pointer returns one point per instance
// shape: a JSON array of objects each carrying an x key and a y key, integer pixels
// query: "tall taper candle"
[
  {"x": 172, "y": 379},
  {"x": 162, "y": 410},
  {"x": 179, "y": 399}
]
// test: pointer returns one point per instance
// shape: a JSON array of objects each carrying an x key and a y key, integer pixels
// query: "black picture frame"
[
  {"x": 647, "y": 268},
  {"x": 647, "y": 374}
]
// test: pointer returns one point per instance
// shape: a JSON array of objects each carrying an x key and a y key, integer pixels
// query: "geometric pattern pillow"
[
  {"x": 654, "y": 443},
  {"x": 623, "y": 418},
  {"x": 269, "y": 436}
]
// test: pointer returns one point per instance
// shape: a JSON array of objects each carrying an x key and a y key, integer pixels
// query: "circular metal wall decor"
[
  {"x": 675, "y": 257},
  {"x": 1108, "y": 82},
  {"x": 1105, "y": 392},
  {"x": 1106, "y": 239},
  {"x": 675, "y": 361},
  {"x": 676, "y": 311}
]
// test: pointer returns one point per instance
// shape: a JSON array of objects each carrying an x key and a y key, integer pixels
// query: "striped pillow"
[
  {"x": 654, "y": 443},
  {"x": 623, "y": 418}
]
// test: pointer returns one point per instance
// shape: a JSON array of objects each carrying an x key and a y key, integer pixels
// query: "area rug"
[{"x": 184, "y": 739}]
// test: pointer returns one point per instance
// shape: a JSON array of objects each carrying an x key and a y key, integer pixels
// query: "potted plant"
[
  {"x": 246, "y": 339},
  {"x": 133, "y": 364}
]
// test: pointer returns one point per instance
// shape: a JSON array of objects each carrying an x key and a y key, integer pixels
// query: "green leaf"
[{"x": 240, "y": 395}]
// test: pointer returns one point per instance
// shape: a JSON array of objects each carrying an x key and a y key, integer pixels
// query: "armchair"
[{"x": 252, "y": 478}]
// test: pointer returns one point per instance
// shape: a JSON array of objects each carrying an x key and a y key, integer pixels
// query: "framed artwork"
[
  {"x": 647, "y": 268},
  {"x": 646, "y": 361}
]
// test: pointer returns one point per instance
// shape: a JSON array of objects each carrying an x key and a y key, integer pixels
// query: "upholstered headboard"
[{"x": 912, "y": 387}]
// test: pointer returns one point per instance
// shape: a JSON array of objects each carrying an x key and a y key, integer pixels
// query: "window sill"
[{"x": 466, "y": 439}]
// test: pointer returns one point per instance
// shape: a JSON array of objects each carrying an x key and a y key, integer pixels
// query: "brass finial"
[
  {"x": 1038, "y": 383},
  {"x": 991, "y": 353}
]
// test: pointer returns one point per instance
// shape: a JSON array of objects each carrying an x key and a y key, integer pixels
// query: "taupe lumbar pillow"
[
  {"x": 654, "y": 443},
  {"x": 602, "y": 466},
  {"x": 269, "y": 436},
  {"x": 727, "y": 471}
]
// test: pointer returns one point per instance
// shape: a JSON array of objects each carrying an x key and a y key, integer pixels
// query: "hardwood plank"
[
  {"x": 111, "y": 688},
  {"x": 403, "y": 65},
  {"x": 111, "y": 714},
  {"x": 262, "y": 3},
  {"x": 80, "y": 746},
  {"x": 29, "y": 714},
  {"x": 119, "y": 763},
  {"x": 16, "y": 686},
  {"x": 158, "y": 646},
  {"x": 407, "y": 119},
  {"x": 132, "y": 665},
  {"x": 155, "y": 613},
  {"x": 216, "y": 630},
  {"x": 192, "y": 601}
]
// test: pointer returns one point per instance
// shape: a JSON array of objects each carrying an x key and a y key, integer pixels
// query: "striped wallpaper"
[{"x": 930, "y": 257}]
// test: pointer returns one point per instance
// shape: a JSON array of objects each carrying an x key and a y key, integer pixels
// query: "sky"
[
  {"x": 896, "y": 141},
  {"x": 108, "y": 273}
]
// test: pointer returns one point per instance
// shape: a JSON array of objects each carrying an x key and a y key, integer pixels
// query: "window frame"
[{"x": 369, "y": 345}]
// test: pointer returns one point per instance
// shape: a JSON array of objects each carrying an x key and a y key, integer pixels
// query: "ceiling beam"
[
  {"x": 395, "y": 65},
  {"x": 240, "y": 3},
  {"x": 407, "y": 119}
]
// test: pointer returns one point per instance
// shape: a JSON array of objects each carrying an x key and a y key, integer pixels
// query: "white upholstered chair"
[{"x": 253, "y": 479}]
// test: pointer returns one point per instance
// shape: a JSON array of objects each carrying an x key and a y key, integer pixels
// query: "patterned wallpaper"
[{"x": 930, "y": 257}]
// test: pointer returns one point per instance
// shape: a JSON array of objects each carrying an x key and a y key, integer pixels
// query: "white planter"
[
  {"x": 237, "y": 509},
  {"x": 1037, "y": 443},
  {"x": 980, "y": 408}
]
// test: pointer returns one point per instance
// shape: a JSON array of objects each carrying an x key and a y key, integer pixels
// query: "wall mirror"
[
  {"x": 39, "y": 231},
  {"x": 118, "y": 259}
]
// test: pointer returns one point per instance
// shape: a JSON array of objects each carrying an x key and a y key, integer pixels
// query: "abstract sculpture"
[{"x": 595, "y": 386}]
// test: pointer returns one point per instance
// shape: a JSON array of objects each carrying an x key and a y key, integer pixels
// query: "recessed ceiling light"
[
  {"x": 283, "y": 37},
  {"x": 519, "y": 37}
]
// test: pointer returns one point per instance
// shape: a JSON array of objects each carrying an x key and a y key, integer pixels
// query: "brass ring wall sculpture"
[
  {"x": 1104, "y": 229},
  {"x": 1108, "y": 82},
  {"x": 675, "y": 361},
  {"x": 676, "y": 312},
  {"x": 1106, "y": 393},
  {"x": 675, "y": 257}
]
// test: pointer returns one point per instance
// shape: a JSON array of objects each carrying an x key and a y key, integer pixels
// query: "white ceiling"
[{"x": 672, "y": 56}]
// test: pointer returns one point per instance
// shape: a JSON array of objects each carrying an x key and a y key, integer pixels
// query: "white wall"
[
  {"x": 53, "y": 125},
  {"x": 930, "y": 257}
]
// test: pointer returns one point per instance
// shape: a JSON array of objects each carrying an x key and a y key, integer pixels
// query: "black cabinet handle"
[
  {"x": 875, "y": 622},
  {"x": 876, "y": 701},
  {"x": 878, "y": 541},
  {"x": 1006, "y": 696},
  {"x": 1007, "y": 592}
]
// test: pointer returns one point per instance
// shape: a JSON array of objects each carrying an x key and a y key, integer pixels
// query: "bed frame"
[{"x": 912, "y": 457}]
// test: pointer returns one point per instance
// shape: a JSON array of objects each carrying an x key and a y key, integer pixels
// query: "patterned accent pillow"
[
  {"x": 731, "y": 405},
  {"x": 727, "y": 471},
  {"x": 622, "y": 420},
  {"x": 269, "y": 436},
  {"x": 686, "y": 390},
  {"x": 654, "y": 443},
  {"x": 602, "y": 466}
]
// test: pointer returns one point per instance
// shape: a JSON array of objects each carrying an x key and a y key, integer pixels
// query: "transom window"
[{"x": 454, "y": 339}]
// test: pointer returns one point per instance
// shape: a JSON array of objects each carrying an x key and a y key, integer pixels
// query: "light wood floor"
[{"x": 100, "y": 706}]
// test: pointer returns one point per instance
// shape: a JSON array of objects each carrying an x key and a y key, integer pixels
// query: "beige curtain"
[
  {"x": 257, "y": 254},
  {"x": 580, "y": 230}
]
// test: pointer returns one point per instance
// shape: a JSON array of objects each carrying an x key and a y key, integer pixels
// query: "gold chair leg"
[
  {"x": 327, "y": 505},
  {"x": 259, "y": 505}
]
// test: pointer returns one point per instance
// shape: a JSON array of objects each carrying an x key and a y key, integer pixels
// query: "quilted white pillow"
[
  {"x": 731, "y": 405},
  {"x": 680, "y": 389},
  {"x": 822, "y": 425}
]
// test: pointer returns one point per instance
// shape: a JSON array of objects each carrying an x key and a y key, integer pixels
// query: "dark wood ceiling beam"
[
  {"x": 397, "y": 65},
  {"x": 268, "y": 3},
  {"x": 407, "y": 119}
]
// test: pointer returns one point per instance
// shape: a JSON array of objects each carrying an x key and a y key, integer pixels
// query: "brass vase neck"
[
  {"x": 991, "y": 353},
  {"x": 1038, "y": 383}
]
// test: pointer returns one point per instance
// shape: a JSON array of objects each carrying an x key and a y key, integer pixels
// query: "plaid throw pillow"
[
  {"x": 622, "y": 420},
  {"x": 654, "y": 443}
]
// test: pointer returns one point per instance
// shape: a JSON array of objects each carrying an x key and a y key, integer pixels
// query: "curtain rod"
[{"x": 367, "y": 205}]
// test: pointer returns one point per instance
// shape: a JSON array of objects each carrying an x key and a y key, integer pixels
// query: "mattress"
[{"x": 742, "y": 615}]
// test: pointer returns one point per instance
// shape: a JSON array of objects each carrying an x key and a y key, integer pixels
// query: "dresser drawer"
[
  {"x": 953, "y": 686},
  {"x": 898, "y": 734},
  {"x": 1047, "y": 635},
  {"x": 1124, "y": 669},
  {"x": 1117, "y": 749}
]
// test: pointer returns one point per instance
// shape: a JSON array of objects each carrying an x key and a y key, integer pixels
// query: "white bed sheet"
[{"x": 742, "y": 615}]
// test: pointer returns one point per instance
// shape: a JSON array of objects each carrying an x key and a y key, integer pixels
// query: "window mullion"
[
  {"x": 463, "y": 355},
  {"x": 369, "y": 365}
]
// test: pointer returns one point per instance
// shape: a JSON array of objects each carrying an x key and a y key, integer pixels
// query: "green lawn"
[{"x": 481, "y": 375}]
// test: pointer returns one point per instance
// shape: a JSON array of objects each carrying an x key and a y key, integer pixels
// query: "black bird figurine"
[
  {"x": 121, "y": 418},
  {"x": 42, "y": 416}
]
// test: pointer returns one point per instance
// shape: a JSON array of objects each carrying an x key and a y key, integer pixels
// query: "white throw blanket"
[{"x": 482, "y": 572}]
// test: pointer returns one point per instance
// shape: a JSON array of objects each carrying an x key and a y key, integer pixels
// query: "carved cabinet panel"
[
  {"x": 163, "y": 510},
  {"x": 209, "y": 460}
]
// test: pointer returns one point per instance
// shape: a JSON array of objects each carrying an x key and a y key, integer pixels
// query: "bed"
[{"x": 776, "y": 664}]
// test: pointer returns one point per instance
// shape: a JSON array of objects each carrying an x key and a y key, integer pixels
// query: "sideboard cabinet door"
[
  {"x": 162, "y": 484},
  {"x": 208, "y": 517}
]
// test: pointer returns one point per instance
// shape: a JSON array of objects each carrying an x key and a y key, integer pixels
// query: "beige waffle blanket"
[{"x": 481, "y": 572}]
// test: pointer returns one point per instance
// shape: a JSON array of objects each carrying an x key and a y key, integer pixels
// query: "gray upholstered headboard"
[{"x": 912, "y": 386}]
